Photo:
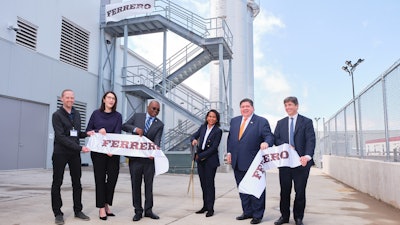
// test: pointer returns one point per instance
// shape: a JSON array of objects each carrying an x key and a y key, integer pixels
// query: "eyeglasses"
[{"x": 156, "y": 109}]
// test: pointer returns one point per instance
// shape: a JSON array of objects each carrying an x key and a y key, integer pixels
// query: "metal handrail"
[
  {"x": 178, "y": 134},
  {"x": 207, "y": 28},
  {"x": 188, "y": 99},
  {"x": 199, "y": 106},
  {"x": 181, "y": 57}
]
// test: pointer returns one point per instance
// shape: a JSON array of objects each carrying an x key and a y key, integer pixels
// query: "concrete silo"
[{"x": 239, "y": 16}]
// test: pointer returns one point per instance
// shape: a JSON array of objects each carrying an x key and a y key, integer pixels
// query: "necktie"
[
  {"x": 147, "y": 125},
  {"x": 291, "y": 132},
  {"x": 242, "y": 128}
]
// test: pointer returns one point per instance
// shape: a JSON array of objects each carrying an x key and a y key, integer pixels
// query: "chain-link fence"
[{"x": 378, "y": 123}]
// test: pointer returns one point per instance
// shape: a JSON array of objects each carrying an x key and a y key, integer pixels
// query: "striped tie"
[{"x": 147, "y": 125}]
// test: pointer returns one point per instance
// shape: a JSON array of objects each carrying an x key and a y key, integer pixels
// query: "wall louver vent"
[
  {"x": 74, "y": 45},
  {"x": 27, "y": 34}
]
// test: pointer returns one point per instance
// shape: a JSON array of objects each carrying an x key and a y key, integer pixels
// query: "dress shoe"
[
  {"x": 255, "y": 221},
  {"x": 243, "y": 217},
  {"x": 202, "y": 210},
  {"x": 210, "y": 213},
  {"x": 81, "y": 216},
  {"x": 103, "y": 217},
  {"x": 281, "y": 220},
  {"x": 152, "y": 215},
  {"x": 59, "y": 220},
  {"x": 137, "y": 217},
  {"x": 299, "y": 222},
  {"x": 110, "y": 214}
]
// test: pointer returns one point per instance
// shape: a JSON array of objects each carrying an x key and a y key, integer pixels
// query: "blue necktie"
[
  {"x": 291, "y": 132},
  {"x": 147, "y": 125}
]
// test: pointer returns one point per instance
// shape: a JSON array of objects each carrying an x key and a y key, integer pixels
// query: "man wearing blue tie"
[
  {"x": 298, "y": 131},
  {"x": 150, "y": 126},
  {"x": 248, "y": 134}
]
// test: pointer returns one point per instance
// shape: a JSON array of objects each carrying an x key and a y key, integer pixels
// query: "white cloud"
[
  {"x": 270, "y": 85},
  {"x": 266, "y": 23},
  {"x": 271, "y": 79}
]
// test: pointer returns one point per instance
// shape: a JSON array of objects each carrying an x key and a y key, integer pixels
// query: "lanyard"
[{"x": 71, "y": 117}]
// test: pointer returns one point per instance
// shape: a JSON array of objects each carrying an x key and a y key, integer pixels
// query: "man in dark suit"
[
  {"x": 149, "y": 125},
  {"x": 247, "y": 135},
  {"x": 298, "y": 131}
]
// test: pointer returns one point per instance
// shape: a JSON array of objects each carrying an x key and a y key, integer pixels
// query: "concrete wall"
[{"x": 376, "y": 178}]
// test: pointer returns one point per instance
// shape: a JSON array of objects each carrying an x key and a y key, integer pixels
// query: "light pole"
[
  {"x": 316, "y": 121},
  {"x": 317, "y": 137},
  {"x": 349, "y": 68}
]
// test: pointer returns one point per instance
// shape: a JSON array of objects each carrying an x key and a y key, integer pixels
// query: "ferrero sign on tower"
[{"x": 124, "y": 10}]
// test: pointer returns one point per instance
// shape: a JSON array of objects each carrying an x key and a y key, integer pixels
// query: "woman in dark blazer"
[{"x": 207, "y": 140}]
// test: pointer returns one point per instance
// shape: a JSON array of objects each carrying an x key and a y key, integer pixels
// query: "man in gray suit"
[{"x": 150, "y": 126}]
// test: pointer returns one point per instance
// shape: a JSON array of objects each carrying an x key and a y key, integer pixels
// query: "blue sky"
[{"x": 301, "y": 46}]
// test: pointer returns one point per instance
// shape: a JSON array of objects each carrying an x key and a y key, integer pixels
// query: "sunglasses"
[{"x": 156, "y": 109}]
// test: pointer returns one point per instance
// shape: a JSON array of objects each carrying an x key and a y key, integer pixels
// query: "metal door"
[{"x": 24, "y": 131}]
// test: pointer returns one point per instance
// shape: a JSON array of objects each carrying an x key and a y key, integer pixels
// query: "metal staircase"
[
  {"x": 184, "y": 63},
  {"x": 144, "y": 82},
  {"x": 210, "y": 40}
]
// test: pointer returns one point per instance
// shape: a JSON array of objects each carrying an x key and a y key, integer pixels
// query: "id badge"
[{"x": 73, "y": 133}]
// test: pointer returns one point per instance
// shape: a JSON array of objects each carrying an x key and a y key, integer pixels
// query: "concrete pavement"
[{"x": 25, "y": 200}]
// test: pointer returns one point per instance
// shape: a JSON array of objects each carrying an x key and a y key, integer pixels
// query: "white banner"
[
  {"x": 129, "y": 145},
  {"x": 254, "y": 181},
  {"x": 124, "y": 10}
]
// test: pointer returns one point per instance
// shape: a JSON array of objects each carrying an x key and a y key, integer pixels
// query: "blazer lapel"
[
  {"x": 211, "y": 133},
  {"x": 285, "y": 129},
  {"x": 153, "y": 125},
  {"x": 298, "y": 124},
  {"x": 249, "y": 126},
  {"x": 202, "y": 134}
]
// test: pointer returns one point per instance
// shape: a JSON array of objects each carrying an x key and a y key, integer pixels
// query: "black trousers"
[
  {"x": 60, "y": 160},
  {"x": 106, "y": 171},
  {"x": 142, "y": 168},
  {"x": 207, "y": 182},
  {"x": 298, "y": 176}
]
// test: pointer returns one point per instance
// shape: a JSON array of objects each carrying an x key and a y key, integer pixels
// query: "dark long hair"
[
  {"x": 103, "y": 105},
  {"x": 216, "y": 114}
]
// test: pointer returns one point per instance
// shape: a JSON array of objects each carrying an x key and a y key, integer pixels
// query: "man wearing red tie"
[
  {"x": 298, "y": 131},
  {"x": 248, "y": 134}
]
